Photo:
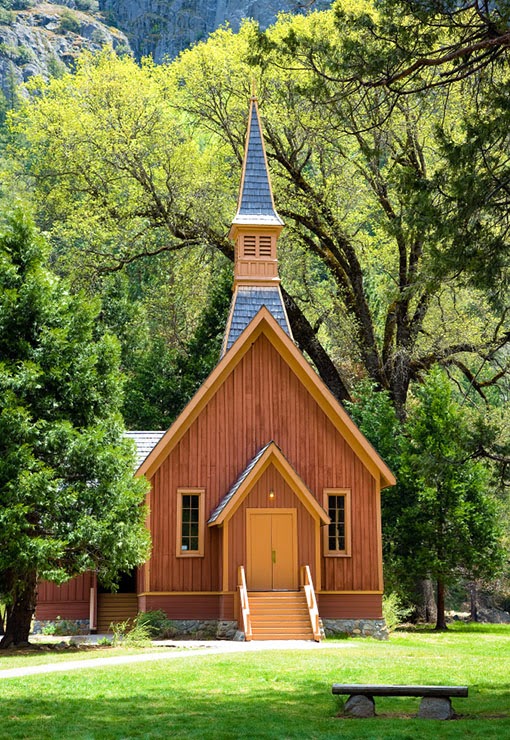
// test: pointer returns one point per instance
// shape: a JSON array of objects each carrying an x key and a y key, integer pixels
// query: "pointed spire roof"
[{"x": 256, "y": 204}]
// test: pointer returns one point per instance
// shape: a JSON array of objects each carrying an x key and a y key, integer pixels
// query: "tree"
[
  {"x": 68, "y": 499},
  {"x": 355, "y": 180},
  {"x": 450, "y": 521},
  {"x": 407, "y": 46}
]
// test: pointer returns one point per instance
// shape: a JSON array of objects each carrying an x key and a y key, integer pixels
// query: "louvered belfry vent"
[
  {"x": 265, "y": 244},
  {"x": 250, "y": 245}
]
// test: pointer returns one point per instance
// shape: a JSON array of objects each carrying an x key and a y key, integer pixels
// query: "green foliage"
[
  {"x": 60, "y": 627},
  {"x": 17, "y": 4},
  {"x": 394, "y": 610},
  {"x": 6, "y": 17},
  {"x": 441, "y": 520},
  {"x": 161, "y": 378},
  {"x": 132, "y": 633},
  {"x": 69, "y": 21},
  {"x": 69, "y": 502},
  {"x": 449, "y": 523},
  {"x": 18, "y": 54},
  {"x": 158, "y": 624}
]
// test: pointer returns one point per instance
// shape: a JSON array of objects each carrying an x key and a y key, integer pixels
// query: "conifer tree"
[{"x": 68, "y": 498}]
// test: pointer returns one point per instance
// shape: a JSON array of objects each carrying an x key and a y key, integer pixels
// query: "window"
[
  {"x": 337, "y": 534},
  {"x": 190, "y": 522}
]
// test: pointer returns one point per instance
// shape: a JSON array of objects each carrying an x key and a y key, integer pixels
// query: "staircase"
[
  {"x": 115, "y": 608},
  {"x": 279, "y": 615}
]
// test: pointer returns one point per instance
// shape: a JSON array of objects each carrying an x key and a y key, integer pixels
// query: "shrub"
[
  {"x": 69, "y": 22},
  {"x": 60, "y": 627},
  {"x": 394, "y": 611},
  {"x": 131, "y": 633}
]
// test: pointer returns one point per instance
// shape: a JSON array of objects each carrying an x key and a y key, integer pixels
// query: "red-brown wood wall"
[
  {"x": 261, "y": 400},
  {"x": 69, "y": 601}
]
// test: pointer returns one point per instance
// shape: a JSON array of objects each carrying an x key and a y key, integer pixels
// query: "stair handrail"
[
  {"x": 311, "y": 601},
  {"x": 245, "y": 606}
]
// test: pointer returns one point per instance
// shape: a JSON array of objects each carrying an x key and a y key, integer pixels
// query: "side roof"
[
  {"x": 264, "y": 323},
  {"x": 145, "y": 443}
]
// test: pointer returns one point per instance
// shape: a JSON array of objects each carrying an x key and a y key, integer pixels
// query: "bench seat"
[
  {"x": 389, "y": 690},
  {"x": 435, "y": 700}
]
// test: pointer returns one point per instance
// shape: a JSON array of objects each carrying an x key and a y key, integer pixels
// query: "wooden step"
[
  {"x": 279, "y": 615},
  {"x": 115, "y": 608}
]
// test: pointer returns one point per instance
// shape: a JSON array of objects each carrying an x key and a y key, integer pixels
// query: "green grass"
[
  {"x": 27, "y": 658},
  {"x": 277, "y": 694}
]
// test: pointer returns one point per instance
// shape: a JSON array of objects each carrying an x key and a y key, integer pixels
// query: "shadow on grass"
[
  {"x": 457, "y": 628},
  {"x": 261, "y": 704}
]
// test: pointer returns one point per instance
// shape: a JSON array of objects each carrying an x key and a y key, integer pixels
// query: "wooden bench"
[{"x": 435, "y": 704}]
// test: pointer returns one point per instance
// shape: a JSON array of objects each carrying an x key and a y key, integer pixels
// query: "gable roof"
[
  {"x": 269, "y": 454},
  {"x": 265, "y": 324},
  {"x": 256, "y": 205}
]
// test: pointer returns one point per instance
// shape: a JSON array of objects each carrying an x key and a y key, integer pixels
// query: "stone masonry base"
[{"x": 356, "y": 628}]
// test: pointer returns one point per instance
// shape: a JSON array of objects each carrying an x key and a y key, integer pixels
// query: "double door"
[{"x": 271, "y": 550}]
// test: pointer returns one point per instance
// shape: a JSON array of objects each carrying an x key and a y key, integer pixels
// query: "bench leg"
[
  {"x": 359, "y": 706},
  {"x": 435, "y": 708}
]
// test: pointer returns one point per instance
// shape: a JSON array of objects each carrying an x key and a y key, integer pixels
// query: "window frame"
[
  {"x": 199, "y": 553},
  {"x": 346, "y": 493}
]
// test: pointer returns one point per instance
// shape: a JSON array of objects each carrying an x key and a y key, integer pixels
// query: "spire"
[
  {"x": 255, "y": 230},
  {"x": 256, "y": 204}
]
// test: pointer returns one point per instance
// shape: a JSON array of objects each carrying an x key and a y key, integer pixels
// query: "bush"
[
  {"x": 131, "y": 633},
  {"x": 60, "y": 627},
  {"x": 6, "y": 17},
  {"x": 394, "y": 611},
  {"x": 160, "y": 626},
  {"x": 69, "y": 22}
]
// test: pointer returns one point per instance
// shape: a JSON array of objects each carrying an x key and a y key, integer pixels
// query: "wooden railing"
[
  {"x": 245, "y": 607},
  {"x": 311, "y": 601}
]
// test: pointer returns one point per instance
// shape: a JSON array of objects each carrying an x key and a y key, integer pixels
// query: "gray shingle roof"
[
  {"x": 229, "y": 496},
  {"x": 246, "y": 303},
  {"x": 256, "y": 201},
  {"x": 145, "y": 443}
]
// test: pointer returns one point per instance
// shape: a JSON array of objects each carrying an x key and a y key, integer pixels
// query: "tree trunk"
[
  {"x": 473, "y": 598},
  {"x": 425, "y": 601},
  {"x": 308, "y": 342},
  {"x": 441, "y": 618},
  {"x": 20, "y": 612}
]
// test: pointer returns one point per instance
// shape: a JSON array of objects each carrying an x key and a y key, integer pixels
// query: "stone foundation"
[
  {"x": 356, "y": 628},
  {"x": 61, "y": 627},
  {"x": 201, "y": 629}
]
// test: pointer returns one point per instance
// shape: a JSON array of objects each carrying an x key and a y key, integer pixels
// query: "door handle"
[{"x": 273, "y": 556}]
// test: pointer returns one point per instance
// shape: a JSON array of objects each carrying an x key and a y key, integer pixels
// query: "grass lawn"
[{"x": 270, "y": 694}]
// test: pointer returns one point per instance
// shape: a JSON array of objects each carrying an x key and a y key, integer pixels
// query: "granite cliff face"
[
  {"x": 46, "y": 38},
  {"x": 163, "y": 28}
]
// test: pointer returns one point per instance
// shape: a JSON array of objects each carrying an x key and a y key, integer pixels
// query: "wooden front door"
[{"x": 271, "y": 550}]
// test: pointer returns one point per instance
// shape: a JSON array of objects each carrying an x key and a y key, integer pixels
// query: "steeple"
[
  {"x": 256, "y": 225},
  {"x": 255, "y": 230}
]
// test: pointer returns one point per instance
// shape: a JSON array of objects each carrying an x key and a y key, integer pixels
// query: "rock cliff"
[
  {"x": 163, "y": 28},
  {"x": 46, "y": 38}
]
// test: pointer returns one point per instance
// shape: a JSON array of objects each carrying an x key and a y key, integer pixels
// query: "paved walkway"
[{"x": 182, "y": 649}]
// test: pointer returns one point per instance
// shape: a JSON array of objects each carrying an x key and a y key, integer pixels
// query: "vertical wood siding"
[
  {"x": 69, "y": 601},
  {"x": 261, "y": 400}
]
